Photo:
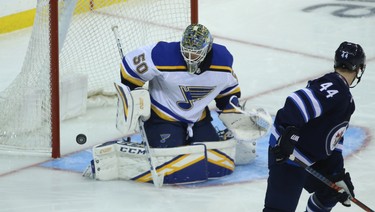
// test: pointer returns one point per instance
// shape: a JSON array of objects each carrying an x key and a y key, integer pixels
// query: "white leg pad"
[
  {"x": 105, "y": 161},
  {"x": 179, "y": 165},
  {"x": 128, "y": 161},
  {"x": 245, "y": 152}
]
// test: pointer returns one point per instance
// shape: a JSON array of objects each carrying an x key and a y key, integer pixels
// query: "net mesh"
[{"x": 88, "y": 47}]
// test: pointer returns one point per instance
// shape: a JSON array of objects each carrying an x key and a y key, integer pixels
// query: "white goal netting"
[{"x": 87, "y": 50}]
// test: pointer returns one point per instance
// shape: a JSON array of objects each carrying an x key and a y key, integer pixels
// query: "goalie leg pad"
[
  {"x": 220, "y": 157},
  {"x": 180, "y": 165},
  {"x": 245, "y": 152},
  {"x": 188, "y": 164},
  {"x": 104, "y": 163},
  {"x": 128, "y": 161}
]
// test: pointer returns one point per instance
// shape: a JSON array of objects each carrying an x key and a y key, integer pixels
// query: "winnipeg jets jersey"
[
  {"x": 175, "y": 94},
  {"x": 321, "y": 112}
]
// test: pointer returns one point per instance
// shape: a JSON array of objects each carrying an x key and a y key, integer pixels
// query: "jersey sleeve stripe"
[
  {"x": 274, "y": 136},
  {"x": 314, "y": 102},
  {"x": 131, "y": 79},
  {"x": 129, "y": 71},
  {"x": 229, "y": 91},
  {"x": 302, "y": 157},
  {"x": 300, "y": 105}
]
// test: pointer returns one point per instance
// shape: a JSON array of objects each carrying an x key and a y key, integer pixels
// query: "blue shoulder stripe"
[
  {"x": 222, "y": 59},
  {"x": 168, "y": 55}
]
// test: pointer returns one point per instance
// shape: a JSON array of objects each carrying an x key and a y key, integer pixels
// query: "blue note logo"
[
  {"x": 164, "y": 137},
  {"x": 192, "y": 94}
]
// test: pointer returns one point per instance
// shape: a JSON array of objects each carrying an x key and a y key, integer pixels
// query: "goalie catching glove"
[{"x": 245, "y": 124}]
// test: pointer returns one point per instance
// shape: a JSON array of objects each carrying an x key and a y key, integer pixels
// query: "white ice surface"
[{"x": 277, "y": 47}]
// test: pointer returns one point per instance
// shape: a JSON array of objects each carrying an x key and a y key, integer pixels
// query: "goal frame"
[{"x": 54, "y": 70}]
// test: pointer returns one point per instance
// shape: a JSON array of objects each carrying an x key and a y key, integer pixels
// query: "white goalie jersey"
[{"x": 175, "y": 94}]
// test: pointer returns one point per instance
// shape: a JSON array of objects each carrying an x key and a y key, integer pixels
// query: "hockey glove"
[
  {"x": 285, "y": 144},
  {"x": 245, "y": 124},
  {"x": 344, "y": 181}
]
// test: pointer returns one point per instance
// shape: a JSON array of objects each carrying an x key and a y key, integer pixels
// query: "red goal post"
[{"x": 72, "y": 45}]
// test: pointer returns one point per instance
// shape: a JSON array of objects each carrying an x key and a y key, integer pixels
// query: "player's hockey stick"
[
  {"x": 329, "y": 183},
  {"x": 158, "y": 179}
]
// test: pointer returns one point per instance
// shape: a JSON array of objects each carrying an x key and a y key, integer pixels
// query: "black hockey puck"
[{"x": 81, "y": 139}]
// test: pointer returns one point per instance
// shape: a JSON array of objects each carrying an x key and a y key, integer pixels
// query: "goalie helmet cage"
[{"x": 74, "y": 37}]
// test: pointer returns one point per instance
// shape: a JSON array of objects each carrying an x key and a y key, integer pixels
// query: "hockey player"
[
  {"x": 184, "y": 78},
  {"x": 311, "y": 126}
]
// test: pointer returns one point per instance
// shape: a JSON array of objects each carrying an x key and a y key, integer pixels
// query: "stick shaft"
[
  {"x": 157, "y": 179},
  {"x": 328, "y": 182},
  {"x": 118, "y": 41}
]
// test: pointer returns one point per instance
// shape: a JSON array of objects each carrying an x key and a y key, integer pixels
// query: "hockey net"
[{"x": 87, "y": 54}]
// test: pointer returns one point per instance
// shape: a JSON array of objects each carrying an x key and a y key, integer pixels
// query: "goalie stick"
[
  {"x": 157, "y": 179},
  {"x": 329, "y": 183},
  {"x": 118, "y": 41}
]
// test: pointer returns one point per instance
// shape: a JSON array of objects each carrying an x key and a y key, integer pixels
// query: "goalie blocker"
[
  {"x": 131, "y": 106},
  {"x": 122, "y": 160}
]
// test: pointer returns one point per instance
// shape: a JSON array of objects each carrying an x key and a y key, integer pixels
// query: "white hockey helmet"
[{"x": 195, "y": 44}]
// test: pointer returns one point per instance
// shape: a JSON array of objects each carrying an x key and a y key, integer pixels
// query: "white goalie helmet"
[{"x": 195, "y": 44}]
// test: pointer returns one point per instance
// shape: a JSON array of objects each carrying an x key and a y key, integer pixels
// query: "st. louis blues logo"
[
  {"x": 192, "y": 94},
  {"x": 164, "y": 137}
]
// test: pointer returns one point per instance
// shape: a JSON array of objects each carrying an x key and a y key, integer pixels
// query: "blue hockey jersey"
[{"x": 321, "y": 112}]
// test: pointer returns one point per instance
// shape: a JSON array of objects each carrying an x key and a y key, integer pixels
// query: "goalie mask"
[
  {"x": 195, "y": 44},
  {"x": 351, "y": 56}
]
